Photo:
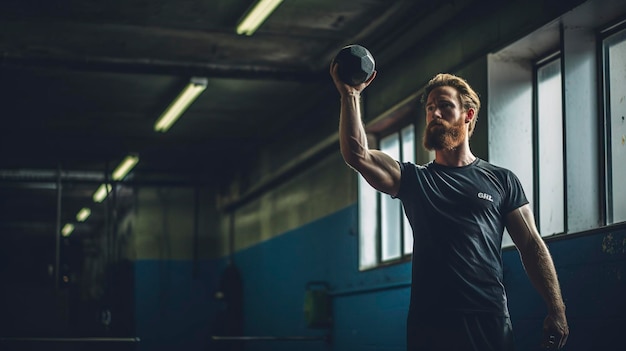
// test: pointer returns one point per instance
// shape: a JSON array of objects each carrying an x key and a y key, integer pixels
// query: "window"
[
  {"x": 549, "y": 176},
  {"x": 614, "y": 66},
  {"x": 570, "y": 158},
  {"x": 390, "y": 211},
  {"x": 384, "y": 232}
]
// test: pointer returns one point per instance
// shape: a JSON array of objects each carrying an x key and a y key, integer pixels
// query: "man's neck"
[{"x": 457, "y": 157}]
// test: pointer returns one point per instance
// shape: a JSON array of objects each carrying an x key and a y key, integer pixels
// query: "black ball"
[{"x": 356, "y": 64}]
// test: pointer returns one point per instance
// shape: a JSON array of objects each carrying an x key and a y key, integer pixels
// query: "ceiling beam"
[{"x": 157, "y": 66}]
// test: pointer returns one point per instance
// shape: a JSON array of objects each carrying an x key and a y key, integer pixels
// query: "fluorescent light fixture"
[
  {"x": 256, "y": 16},
  {"x": 68, "y": 228},
  {"x": 182, "y": 102},
  {"x": 125, "y": 166},
  {"x": 102, "y": 192},
  {"x": 83, "y": 214}
]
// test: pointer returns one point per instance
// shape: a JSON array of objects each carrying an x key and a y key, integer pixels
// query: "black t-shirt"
[{"x": 458, "y": 218}]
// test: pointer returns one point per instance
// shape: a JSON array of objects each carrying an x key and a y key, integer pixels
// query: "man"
[{"x": 458, "y": 206}]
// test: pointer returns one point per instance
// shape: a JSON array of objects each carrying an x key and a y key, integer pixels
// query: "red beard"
[{"x": 443, "y": 135}]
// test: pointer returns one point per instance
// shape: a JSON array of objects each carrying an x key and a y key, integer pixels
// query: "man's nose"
[{"x": 436, "y": 113}]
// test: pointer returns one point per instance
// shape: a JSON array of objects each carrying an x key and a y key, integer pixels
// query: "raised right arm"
[{"x": 380, "y": 170}]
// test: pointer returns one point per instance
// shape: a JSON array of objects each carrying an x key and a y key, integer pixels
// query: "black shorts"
[{"x": 461, "y": 332}]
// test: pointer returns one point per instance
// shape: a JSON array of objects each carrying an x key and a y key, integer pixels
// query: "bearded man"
[{"x": 458, "y": 206}]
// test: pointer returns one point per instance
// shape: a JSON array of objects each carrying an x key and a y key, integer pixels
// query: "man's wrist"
[
  {"x": 351, "y": 94},
  {"x": 556, "y": 309}
]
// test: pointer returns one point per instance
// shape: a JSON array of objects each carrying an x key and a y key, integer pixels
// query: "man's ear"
[{"x": 469, "y": 115}]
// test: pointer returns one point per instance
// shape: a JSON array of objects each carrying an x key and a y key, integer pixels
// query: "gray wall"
[{"x": 461, "y": 49}]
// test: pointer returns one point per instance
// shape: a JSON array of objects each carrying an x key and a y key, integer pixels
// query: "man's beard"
[{"x": 443, "y": 135}]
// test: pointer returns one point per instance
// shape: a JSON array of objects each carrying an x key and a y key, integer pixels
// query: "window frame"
[
  {"x": 397, "y": 130},
  {"x": 604, "y": 91},
  {"x": 405, "y": 115},
  {"x": 536, "y": 142}
]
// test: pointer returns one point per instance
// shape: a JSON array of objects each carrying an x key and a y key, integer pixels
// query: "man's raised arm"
[{"x": 380, "y": 170}]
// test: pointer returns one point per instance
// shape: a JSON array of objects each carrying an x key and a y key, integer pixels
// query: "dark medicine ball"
[{"x": 356, "y": 64}]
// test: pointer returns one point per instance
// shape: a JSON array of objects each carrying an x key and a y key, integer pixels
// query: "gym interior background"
[{"x": 240, "y": 227}]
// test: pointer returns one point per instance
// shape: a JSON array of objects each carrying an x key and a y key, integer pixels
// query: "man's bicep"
[
  {"x": 520, "y": 223},
  {"x": 382, "y": 172}
]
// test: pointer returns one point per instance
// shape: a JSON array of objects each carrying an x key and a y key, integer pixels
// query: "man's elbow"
[
  {"x": 533, "y": 249},
  {"x": 354, "y": 151},
  {"x": 354, "y": 159}
]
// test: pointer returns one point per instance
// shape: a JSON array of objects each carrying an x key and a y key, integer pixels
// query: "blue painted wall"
[
  {"x": 176, "y": 310},
  {"x": 276, "y": 274},
  {"x": 592, "y": 272}
]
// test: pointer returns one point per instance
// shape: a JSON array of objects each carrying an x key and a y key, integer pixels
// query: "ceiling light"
[
  {"x": 82, "y": 215},
  {"x": 68, "y": 228},
  {"x": 125, "y": 166},
  {"x": 102, "y": 192},
  {"x": 256, "y": 16},
  {"x": 188, "y": 95}
]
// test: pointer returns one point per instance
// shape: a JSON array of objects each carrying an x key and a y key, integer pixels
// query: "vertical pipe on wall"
[
  {"x": 196, "y": 215},
  {"x": 57, "y": 256},
  {"x": 114, "y": 222},
  {"x": 231, "y": 237},
  {"x": 107, "y": 219}
]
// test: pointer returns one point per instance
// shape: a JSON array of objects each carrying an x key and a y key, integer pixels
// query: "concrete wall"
[{"x": 292, "y": 219}]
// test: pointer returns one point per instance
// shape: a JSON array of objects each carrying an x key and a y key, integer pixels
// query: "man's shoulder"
[
  {"x": 414, "y": 166},
  {"x": 479, "y": 164},
  {"x": 503, "y": 175},
  {"x": 492, "y": 167}
]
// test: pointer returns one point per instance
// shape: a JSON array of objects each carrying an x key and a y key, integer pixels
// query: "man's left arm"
[{"x": 540, "y": 269}]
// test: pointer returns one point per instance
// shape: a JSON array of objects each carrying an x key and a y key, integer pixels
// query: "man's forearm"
[
  {"x": 541, "y": 272},
  {"x": 352, "y": 137}
]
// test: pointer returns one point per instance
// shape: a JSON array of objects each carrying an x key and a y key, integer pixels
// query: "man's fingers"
[
  {"x": 367, "y": 82},
  {"x": 555, "y": 332},
  {"x": 563, "y": 340},
  {"x": 549, "y": 342},
  {"x": 554, "y": 340},
  {"x": 333, "y": 69}
]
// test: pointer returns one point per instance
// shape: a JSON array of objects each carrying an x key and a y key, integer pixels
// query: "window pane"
[
  {"x": 616, "y": 71},
  {"x": 550, "y": 134},
  {"x": 408, "y": 144},
  {"x": 408, "y": 155},
  {"x": 390, "y": 208},
  {"x": 368, "y": 245}
]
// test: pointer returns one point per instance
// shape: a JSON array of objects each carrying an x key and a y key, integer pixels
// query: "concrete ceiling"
[{"x": 82, "y": 83}]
